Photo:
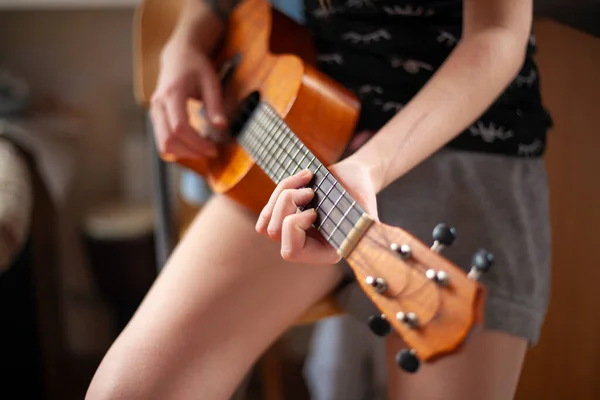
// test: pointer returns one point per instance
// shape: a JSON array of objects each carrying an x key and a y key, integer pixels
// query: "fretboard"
[{"x": 280, "y": 154}]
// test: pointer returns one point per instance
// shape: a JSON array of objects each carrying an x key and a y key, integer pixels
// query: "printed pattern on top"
[{"x": 386, "y": 50}]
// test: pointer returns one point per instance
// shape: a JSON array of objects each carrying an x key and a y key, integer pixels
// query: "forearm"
[
  {"x": 202, "y": 22},
  {"x": 472, "y": 77}
]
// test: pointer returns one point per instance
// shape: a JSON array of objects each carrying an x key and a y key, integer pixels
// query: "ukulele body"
[{"x": 276, "y": 60}]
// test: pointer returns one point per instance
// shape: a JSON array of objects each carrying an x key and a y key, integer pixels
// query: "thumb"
[{"x": 212, "y": 96}]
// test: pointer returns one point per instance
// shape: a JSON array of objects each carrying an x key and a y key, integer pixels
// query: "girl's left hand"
[{"x": 280, "y": 219}]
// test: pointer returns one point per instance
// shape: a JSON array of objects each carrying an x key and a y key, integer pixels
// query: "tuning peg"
[
  {"x": 440, "y": 277},
  {"x": 409, "y": 319},
  {"x": 443, "y": 235},
  {"x": 378, "y": 284},
  {"x": 408, "y": 361},
  {"x": 481, "y": 263},
  {"x": 379, "y": 325},
  {"x": 404, "y": 251}
]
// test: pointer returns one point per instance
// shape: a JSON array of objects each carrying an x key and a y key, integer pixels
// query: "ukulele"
[{"x": 286, "y": 116}]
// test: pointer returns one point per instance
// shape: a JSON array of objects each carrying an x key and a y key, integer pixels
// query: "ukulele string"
[
  {"x": 273, "y": 127},
  {"x": 415, "y": 288},
  {"x": 365, "y": 266},
  {"x": 266, "y": 124},
  {"x": 279, "y": 145},
  {"x": 268, "y": 128}
]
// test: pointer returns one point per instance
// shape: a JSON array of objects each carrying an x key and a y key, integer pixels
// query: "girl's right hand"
[{"x": 185, "y": 72}]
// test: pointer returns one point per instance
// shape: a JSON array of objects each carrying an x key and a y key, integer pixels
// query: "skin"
[{"x": 237, "y": 281}]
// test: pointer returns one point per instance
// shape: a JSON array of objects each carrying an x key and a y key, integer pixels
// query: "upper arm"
[{"x": 512, "y": 17}]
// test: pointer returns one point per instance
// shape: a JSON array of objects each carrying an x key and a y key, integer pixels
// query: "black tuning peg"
[
  {"x": 481, "y": 263},
  {"x": 408, "y": 361},
  {"x": 379, "y": 325},
  {"x": 443, "y": 235}
]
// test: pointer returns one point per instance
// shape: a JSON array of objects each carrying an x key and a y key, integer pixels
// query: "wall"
[
  {"x": 83, "y": 59},
  {"x": 565, "y": 362}
]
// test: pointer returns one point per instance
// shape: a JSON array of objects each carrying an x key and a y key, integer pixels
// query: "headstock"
[{"x": 429, "y": 301}]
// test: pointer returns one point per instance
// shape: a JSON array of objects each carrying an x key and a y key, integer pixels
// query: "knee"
[
  {"x": 120, "y": 377},
  {"x": 142, "y": 371},
  {"x": 107, "y": 385},
  {"x": 102, "y": 389}
]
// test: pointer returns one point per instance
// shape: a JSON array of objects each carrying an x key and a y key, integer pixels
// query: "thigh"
[
  {"x": 223, "y": 297},
  {"x": 488, "y": 367}
]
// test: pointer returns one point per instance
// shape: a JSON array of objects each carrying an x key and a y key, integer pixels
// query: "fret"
[
  {"x": 327, "y": 213},
  {"x": 299, "y": 163},
  {"x": 247, "y": 136},
  {"x": 310, "y": 162},
  {"x": 280, "y": 153},
  {"x": 277, "y": 154},
  {"x": 297, "y": 167},
  {"x": 289, "y": 149},
  {"x": 284, "y": 150},
  {"x": 322, "y": 180},
  {"x": 337, "y": 225},
  {"x": 263, "y": 136},
  {"x": 269, "y": 160},
  {"x": 320, "y": 205},
  {"x": 265, "y": 157},
  {"x": 269, "y": 141},
  {"x": 318, "y": 166},
  {"x": 258, "y": 135},
  {"x": 254, "y": 137}
]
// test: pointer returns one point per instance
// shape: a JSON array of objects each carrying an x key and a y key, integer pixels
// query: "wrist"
[
  {"x": 199, "y": 27},
  {"x": 373, "y": 167}
]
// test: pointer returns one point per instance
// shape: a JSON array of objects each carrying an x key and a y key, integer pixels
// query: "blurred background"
[{"x": 80, "y": 205}]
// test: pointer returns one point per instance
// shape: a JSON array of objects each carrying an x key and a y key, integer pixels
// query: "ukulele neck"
[{"x": 280, "y": 154}]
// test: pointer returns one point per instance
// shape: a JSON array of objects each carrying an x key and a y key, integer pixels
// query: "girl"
[{"x": 452, "y": 130}]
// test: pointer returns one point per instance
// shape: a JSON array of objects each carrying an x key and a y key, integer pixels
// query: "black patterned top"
[{"x": 386, "y": 50}]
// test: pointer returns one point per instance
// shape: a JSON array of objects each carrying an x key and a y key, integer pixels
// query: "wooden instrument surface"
[{"x": 308, "y": 101}]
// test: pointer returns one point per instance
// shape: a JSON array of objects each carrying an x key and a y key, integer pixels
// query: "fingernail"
[
  {"x": 304, "y": 172},
  {"x": 219, "y": 120},
  {"x": 307, "y": 191}
]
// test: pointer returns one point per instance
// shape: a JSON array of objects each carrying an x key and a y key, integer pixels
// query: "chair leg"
[
  {"x": 271, "y": 372},
  {"x": 241, "y": 393},
  {"x": 164, "y": 231}
]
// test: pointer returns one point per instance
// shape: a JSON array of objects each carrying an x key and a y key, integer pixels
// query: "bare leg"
[
  {"x": 222, "y": 298},
  {"x": 488, "y": 368}
]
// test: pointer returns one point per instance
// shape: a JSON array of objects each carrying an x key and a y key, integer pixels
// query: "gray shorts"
[{"x": 495, "y": 202}]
